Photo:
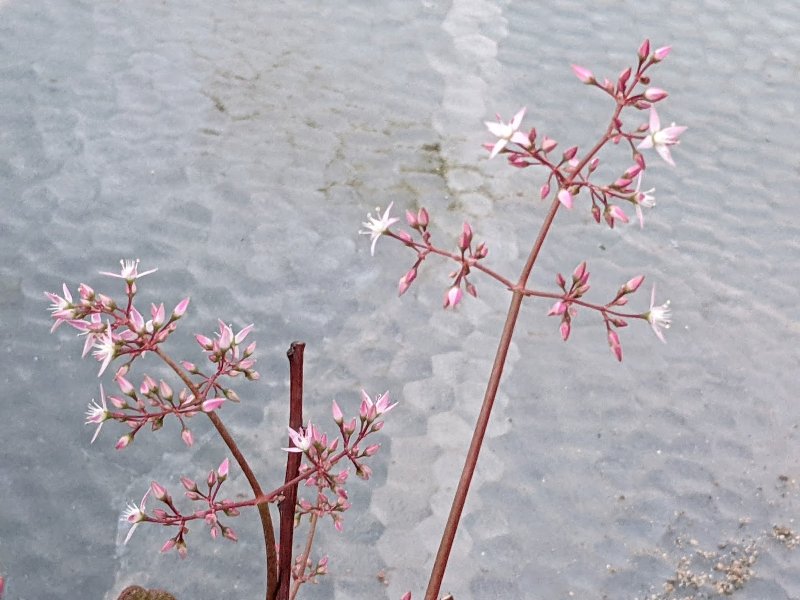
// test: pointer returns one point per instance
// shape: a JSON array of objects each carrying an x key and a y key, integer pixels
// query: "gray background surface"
[{"x": 238, "y": 146}]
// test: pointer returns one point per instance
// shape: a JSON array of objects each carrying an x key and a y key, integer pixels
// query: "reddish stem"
[
  {"x": 287, "y": 505},
  {"x": 518, "y": 293}
]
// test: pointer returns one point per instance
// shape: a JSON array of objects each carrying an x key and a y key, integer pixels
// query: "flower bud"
[
  {"x": 661, "y": 53},
  {"x": 452, "y": 297},
  {"x": 633, "y": 284},
  {"x": 544, "y": 191},
  {"x": 614, "y": 343},
  {"x": 570, "y": 153},
  {"x": 565, "y": 329},
  {"x": 222, "y": 470},
  {"x": 655, "y": 94},
  {"x": 548, "y": 144},
  {"x": 180, "y": 309},
  {"x": 585, "y": 75},
  {"x": 412, "y": 220},
  {"x": 422, "y": 218},
  {"x": 644, "y": 50},
  {"x": 565, "y": 198}
]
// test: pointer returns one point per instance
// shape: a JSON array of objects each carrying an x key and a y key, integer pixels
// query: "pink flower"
[
  {"x": 97, "y": 414},
  {"x": 376, "y": 227},
  {"x": 508, "y": 132},
  {"x": 106, "y": 348},
  {"x": 135, "y": 514},
  {"x": 300, "y": 438},
  {"x": 642, "y": 199},
  {"x": 129, "y": 271},
  {"x": 661, "y": 139},
  {"x": 659, "y": 317}
]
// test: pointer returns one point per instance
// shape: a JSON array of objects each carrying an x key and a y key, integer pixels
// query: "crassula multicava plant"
[
  {"x": 117, "y": 332},
  {"x": 571, "y": 182}
]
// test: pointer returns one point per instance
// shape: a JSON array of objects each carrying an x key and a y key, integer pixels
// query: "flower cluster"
[
  {"x": 568, "y": 176},
  {"x": 118, "y": 330},
  {"x": 321, "y": 455},
  {"x": 171, "y": 516}
]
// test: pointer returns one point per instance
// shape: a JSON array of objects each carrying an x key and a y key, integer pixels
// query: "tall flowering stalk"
[
  {"x": 569, "y": 183},
  {"x": 119, "y": 331}
]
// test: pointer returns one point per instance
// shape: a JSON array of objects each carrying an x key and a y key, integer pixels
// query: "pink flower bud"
[
  {"x": 372, "y": 450},
  {"x": 164, "y": 390},
  {"x": 622, "y": 183},
  {"x": 338, "y": 417},
  {"x": 632, "y": 171},
  {"x": 189, "y": 484},
  {"x": 412, "y": 220},
  {"x": 633, "y": 284},
  {"x": 585, "y": 75},
  {"x": 579, "y": 272},
  {"x": 125, "y": 386},
  {"x": 422, "y": 218},
  {"x": 616, "y": 213},
  {"x": 565, "y": 329},
  {"x": 225, "y": 336},
  {"x": 544, "y": 191},
  {"x": 644, "y": 50},
  {"x": 157, "y": 312},
  {"x": 205, "y": 343},
  {"x": 481, "y": 251},
  {"x": 452, "y": 297},
  {"x": 565, "y": 198},
  {"x": 548, "y": 144},
  {"x": 222, "y": 471},
  {"x": 661, "y": 53},
  {"x": 558, "y": 308},
  {"x": 228, "y": 533},
  {"x": 471, "y": 289},
  {"x": 593, "y": 164},
  {"x": 465, "y": 238},
  {"x": 614, "y": 343},
  {"x": 654, "y": 94},
  {"x": 623, "y": 78},
  {"x": 137, "y": 321},
  {"x": 406, "y": 596},
  {"x": 180, "y": 309},
  {"x": 596, "y": 213},
  {"x": 570, "y": 153},
  {"x": 404, "y": 236},
  {"x": 168, "y": 545},
  {"x": 158, "y": 491},
  {"x": 211, "y": 480},
  {"x": 561, "y": 281},
  {"x": 123, "y": 441},
  {"x": 212, "y": 404}
]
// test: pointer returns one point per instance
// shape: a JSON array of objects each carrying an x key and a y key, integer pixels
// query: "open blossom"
[
  {"x": 129, "y": 271},
  {"x": 97, "y": 413},
  {"x": 105, "y": 349},
  {"x": 135, "y": 514},
  {"x": 508, "y": 132},
  {"x": 659, "y": 317},
  {"x": 301, "y": 438},
  {"x": 642, "y": 199},
  {"x": 376, "y": 227},
  {"x": 661, "y": 139}
]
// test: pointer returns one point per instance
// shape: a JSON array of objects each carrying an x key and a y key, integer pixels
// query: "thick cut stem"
[{"x": 287, "y": 505}]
